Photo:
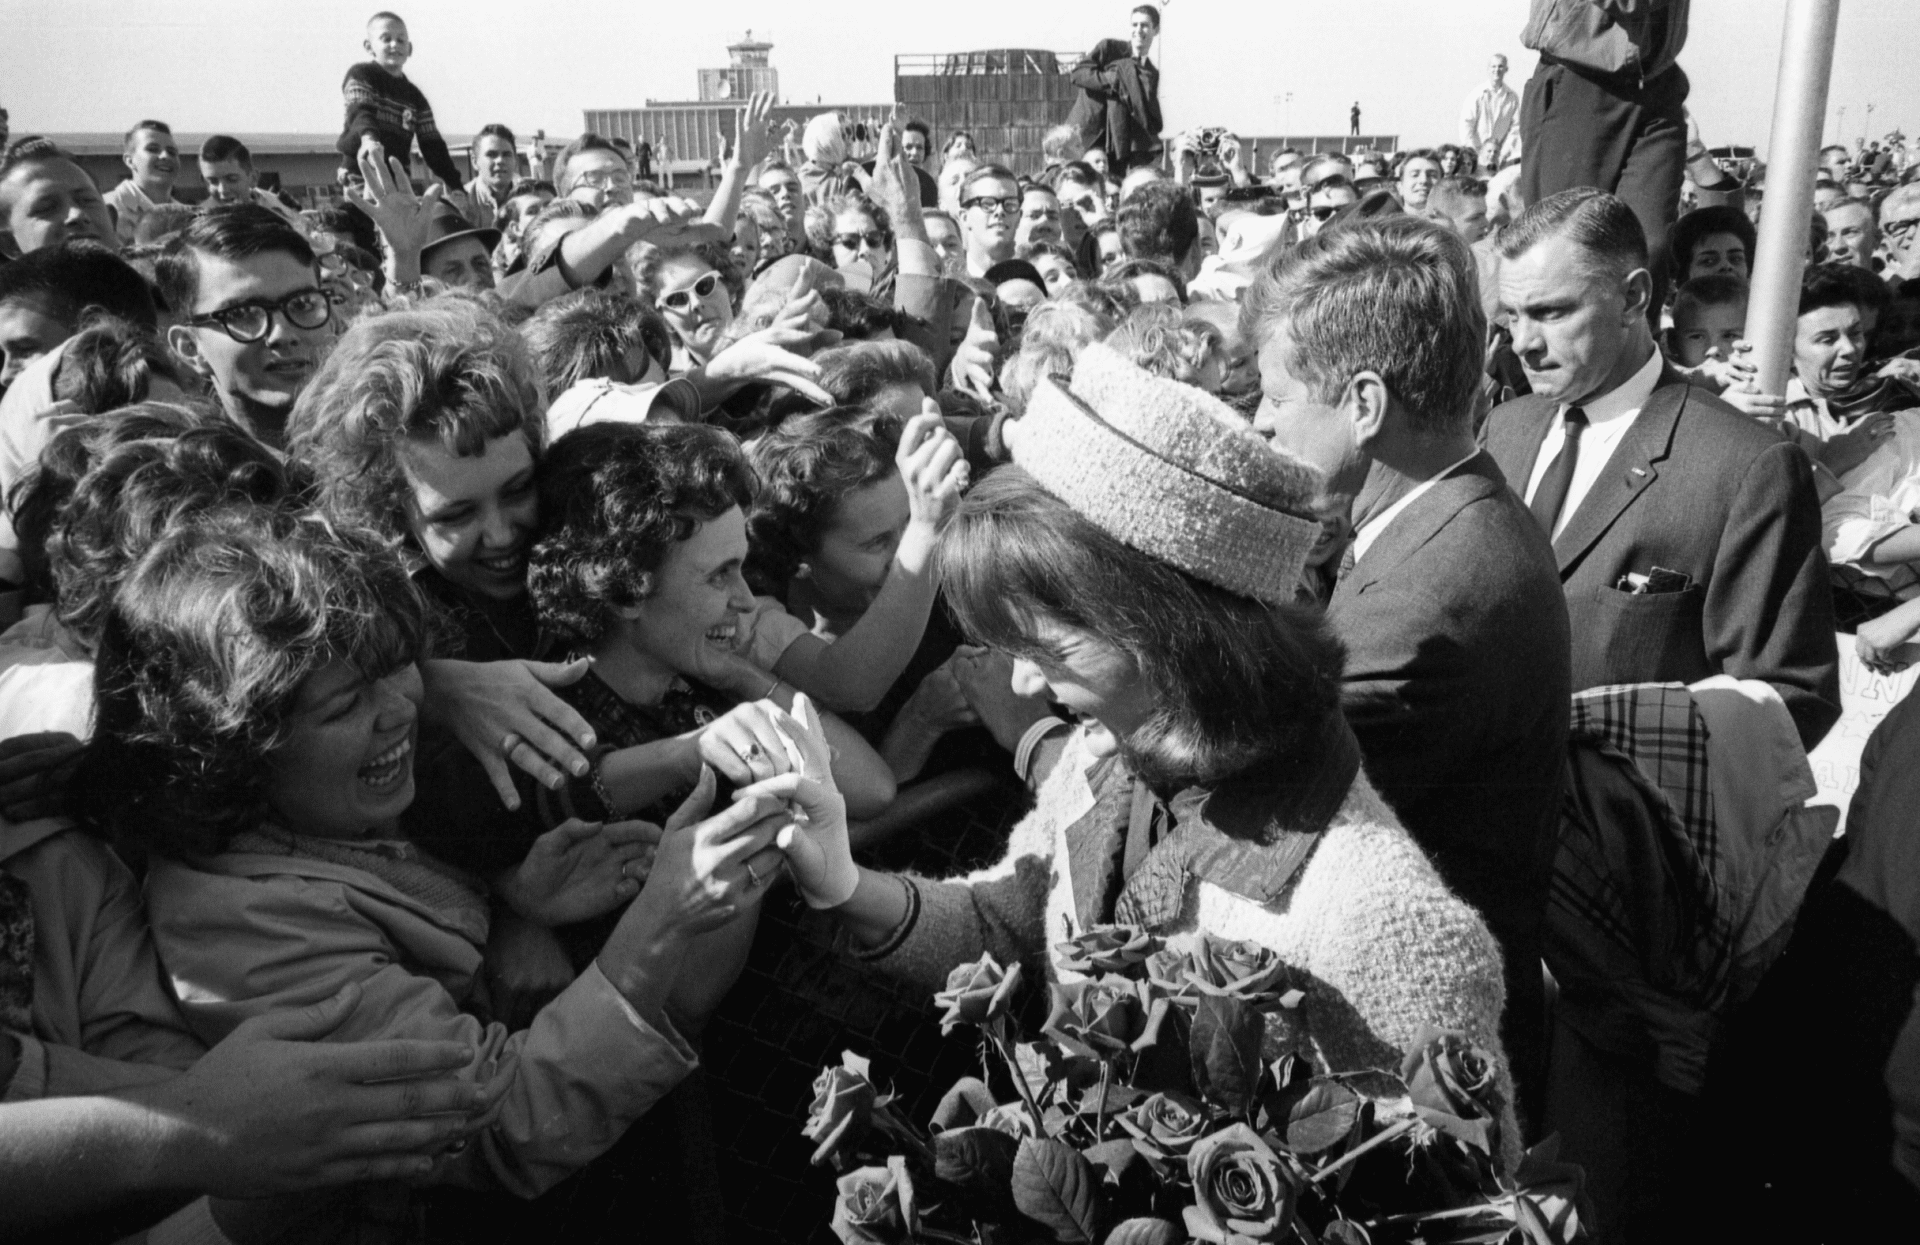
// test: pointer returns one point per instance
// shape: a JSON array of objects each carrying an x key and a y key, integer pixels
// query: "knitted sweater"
[
  {"x": 395, "y": 111},
  {"x": 1377, "y": 942}
]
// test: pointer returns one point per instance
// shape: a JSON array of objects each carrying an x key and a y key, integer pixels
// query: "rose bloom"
[
  {"x": 1103, "y": 1018},
  {"x": 875, "y": 1205},
  {"x": 1241, "y": 1189},
  {"x": 1169, "y": 1123},
  {"x": 1120, "y": 949},
  {"x": 843, "y": 1102},
  {"x": 977, "y": 993}
]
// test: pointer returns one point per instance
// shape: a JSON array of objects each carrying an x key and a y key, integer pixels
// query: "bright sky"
[{"x": 275, "y": 65}]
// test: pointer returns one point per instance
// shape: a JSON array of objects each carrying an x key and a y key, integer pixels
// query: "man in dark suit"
[
  {"x": 1687, "y": 535},
  {"x": 1370, "y": 337},
  {"x": 1119, "y": 104}
]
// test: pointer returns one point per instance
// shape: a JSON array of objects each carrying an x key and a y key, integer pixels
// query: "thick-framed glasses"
[
  {"x": 605, "y": 179},
  {"x": 680, "y": 300},
  {"x": 874, "y": 238},
  {"x": 1899, "y": 228},
  {"x": 1008, "y": 206},
  {"x": 252, "y": 320}
]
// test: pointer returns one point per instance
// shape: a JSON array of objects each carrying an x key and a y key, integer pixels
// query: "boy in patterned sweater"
[{"x": 384, "y": 106}]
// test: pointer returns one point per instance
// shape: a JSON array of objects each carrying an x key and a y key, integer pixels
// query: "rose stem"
[
  {"x": 1378, "y": 1139},
  {"x": 1100, "y": 1112},
  {"x": 998, "y": 1033}
]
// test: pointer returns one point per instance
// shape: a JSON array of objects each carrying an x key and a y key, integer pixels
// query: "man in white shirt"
[
  {"x": 1687, "y": 535},
  {"x": 1487, "y": 120},
  {"x": 153, "y": 161}
]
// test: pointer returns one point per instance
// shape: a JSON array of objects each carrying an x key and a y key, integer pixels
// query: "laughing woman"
[
  {"x": 1137, "y": 562},
  {"x": 257, "y": 699}
]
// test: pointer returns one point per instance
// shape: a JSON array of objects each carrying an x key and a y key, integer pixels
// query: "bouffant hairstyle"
[
  {"x": 201, "y": 660},
  {"x": 153, "y": 468},
  {"x": 1697, "y": 224},
  {"x": 591, "y": 333},
  {"x": 1238, "y": 685},
  {"x": 111, "y": 363},
  {"x": 446, "y": 371},
  {"x": 1842, "y": 285},
  {"x": 856, "y": 372},
  {"x": 1161, "y": 339},
  {"x": 614, "y": 499},
  {"x": 1158, "y": 221},
  {"x": 805, "y": 467}
]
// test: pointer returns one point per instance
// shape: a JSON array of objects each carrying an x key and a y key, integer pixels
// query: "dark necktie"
[{"x": 1552, "y": 493}]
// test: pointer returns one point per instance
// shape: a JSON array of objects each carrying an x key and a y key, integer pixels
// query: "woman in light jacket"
[
  {"x": 257, "y": 700},
  {"x": 1138, "y": 563}
]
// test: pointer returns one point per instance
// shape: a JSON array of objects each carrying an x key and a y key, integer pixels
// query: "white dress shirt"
[
  {"x": 1608, "y": 418},
  {"x": 1487, "y": 120},
  {"x": 1368, "y": 532}
]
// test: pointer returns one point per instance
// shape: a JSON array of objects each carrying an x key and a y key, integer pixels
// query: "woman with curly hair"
[{"x": 258, "y": 702}]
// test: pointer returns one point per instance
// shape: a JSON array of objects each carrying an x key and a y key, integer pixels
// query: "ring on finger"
[
  {"x": 509, "y": 742},
  {"x": 753, "y": 877}
]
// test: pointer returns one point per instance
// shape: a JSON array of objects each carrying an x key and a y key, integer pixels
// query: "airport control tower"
[{"x": 749, "y": 72}]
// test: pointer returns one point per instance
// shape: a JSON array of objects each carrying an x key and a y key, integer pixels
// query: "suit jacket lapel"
[
  {"x": 1626, "y": 474},
  {"x": 1515, "y": 439},
  {"x": 1415, "y": 526}
]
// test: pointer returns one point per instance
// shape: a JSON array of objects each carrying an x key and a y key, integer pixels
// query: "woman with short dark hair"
[{"x": 1137, "y": 562}]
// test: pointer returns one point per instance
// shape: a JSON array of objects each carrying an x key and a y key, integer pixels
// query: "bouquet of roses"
[{"x": 1145, "y": 1113}]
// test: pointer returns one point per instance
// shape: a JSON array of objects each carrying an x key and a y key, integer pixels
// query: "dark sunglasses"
[
  {"x": 680, "y": 300},
  {"x": 874, "y": 238},
  {"x": 252, "y": 320}
]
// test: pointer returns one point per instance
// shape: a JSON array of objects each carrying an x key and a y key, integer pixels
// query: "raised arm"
[{"x": 742, "y": 156}]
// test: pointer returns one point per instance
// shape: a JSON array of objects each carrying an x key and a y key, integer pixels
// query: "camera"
[{"x": 1207, "y": 141}]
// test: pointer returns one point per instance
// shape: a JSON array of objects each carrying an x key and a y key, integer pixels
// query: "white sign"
[{"x": 1865, "y": 698}]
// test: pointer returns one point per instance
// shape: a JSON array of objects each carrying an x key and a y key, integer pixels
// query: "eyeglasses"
[
  {"x": 874, "y": 238},
  {"x": 1004, "y": 207},
  {"x": 252, "y": 320},
  {"x": 1899, "y": 228},
  {"x": 605, "y": 179},
  {"x": 680, "y": 300}
]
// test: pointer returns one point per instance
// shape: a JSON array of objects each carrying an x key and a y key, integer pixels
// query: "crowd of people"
[{"x": 504, "y": 674}]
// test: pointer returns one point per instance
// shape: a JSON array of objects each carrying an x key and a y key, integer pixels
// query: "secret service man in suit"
[
  {"x": 1687, "y": 535},
  {"x": 1119, "y": 104},
  {"x": 1370, "y": 337}
]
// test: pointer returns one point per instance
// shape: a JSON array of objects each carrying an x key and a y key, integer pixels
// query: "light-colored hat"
[{"x": 1169, "y": 470}]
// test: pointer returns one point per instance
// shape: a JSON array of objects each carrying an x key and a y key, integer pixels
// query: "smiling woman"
[{"x": 426, "y": 424}]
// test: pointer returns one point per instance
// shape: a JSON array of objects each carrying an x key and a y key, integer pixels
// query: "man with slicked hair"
[
  {"x": 1369, "y": 338},
  {"x": 1687, "y": 535}
]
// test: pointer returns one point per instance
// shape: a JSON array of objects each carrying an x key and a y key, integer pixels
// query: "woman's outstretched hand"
[{"x": 815, "y": 842}]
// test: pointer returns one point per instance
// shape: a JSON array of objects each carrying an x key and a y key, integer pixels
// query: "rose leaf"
[
  {"x": 1323, "y": 1118},
  {"x": 1225, "y": 1050},
  {"x": 1055, "y": 1186},
  {"x": 978, "y": 1163},
  {"x": 1145, "y": 1232}
]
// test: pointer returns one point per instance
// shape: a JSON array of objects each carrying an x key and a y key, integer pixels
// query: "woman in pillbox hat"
[{"x": 1137, "y": 564}]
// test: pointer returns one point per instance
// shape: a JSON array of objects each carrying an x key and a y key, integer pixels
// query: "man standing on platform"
[
  {"x": 1119, "y": 105},
  {"x": 1606, "y": 109},
  {"x": 1353, "y": 121},
  {"x": 1487, "y": 120}
]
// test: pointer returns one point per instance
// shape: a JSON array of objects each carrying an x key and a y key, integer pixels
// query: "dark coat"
[
  {"x": 1698, "y": 488},
  {"x": 1457, "y": 686},
  {"x": 1119, "y": 104}
]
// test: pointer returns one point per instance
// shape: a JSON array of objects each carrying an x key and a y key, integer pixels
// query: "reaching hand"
[
  {"x": 34, "y": 772},
  {"x": 504, "y": 712},
  {"x": 709, "y": 870},
  {"x": 404, "y": 218},
  {"x": 1884, "y": 644},
  {"x": 1847, "y": 450},
  {"x": 935, "y": 471},
  {"x": 815, "y": 843},
  {"x": 744, "y": 744},
  {"x": 755, "y": 140},
  {"x": 670, "y": 223},
  {"x": 972, "y": 367},
  {"x": 580, "y": 869},
  {"x": 939, "y": 703},
  {"x": 895, "y": 186},
  {"x": 755, "y": 357},
  {"x": 276, "y": 1108}
]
